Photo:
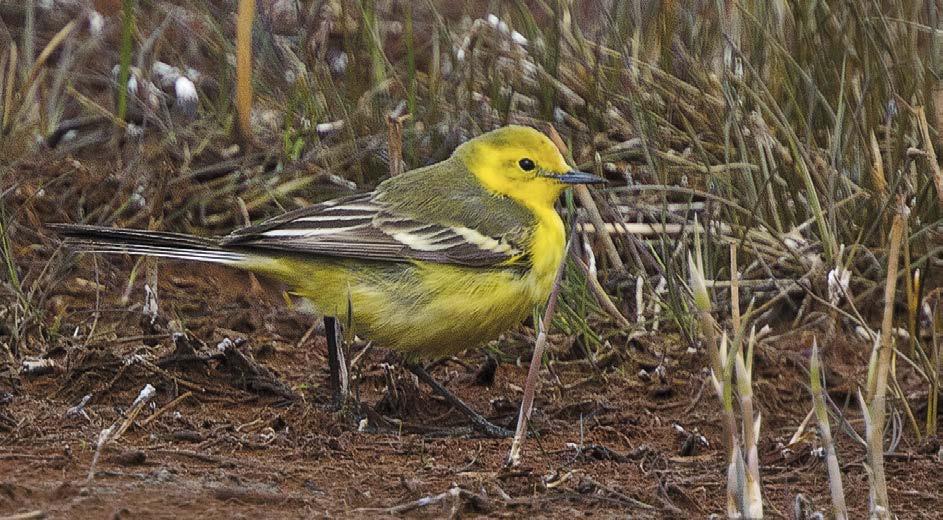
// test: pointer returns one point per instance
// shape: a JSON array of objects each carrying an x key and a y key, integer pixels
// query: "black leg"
[
  {"x": 477, "y": 420},
  {"x": 337, "y": 362}
]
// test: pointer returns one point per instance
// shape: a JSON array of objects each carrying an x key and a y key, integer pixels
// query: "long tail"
[{"x": 96, "y": 239}]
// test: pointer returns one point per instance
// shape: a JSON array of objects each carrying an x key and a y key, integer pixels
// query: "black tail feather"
[{"x": 97, "y": 239}]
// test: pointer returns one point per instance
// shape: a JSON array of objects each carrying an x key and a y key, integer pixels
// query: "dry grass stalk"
[
  {"x": 877, "y": 385},
  {"x": 9, "y": 82},
  {"x": 929, "y": 149},
  {"x": 530, "y": 385},
  {"x": 831, "y": 457},
  {"x": 44, "y": 55},
  {"x": 21, "y": 99},
  {"x": 38, "y": 514},
  {"x": 244, "y": 20},
  {"x": 877, "y": 169},
  {"x": 600, "y": 293},
  {"x": 124, "y": 57},
  {"x": 599, "y": 225},
  {"x": 934, "y": 365},
  {"x": 394, "y": 125},
  {"x": 734, "y": 288},
  {"x": 29, "y": 33}
]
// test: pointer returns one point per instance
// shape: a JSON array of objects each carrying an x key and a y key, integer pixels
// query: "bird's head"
[{"x": 521, "y": 163}]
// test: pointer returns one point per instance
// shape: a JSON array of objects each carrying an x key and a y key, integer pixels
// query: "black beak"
[{"x": 578, "y": 177}]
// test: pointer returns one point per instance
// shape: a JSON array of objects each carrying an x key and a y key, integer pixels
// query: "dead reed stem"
[
  {"x": 877, "y": 391},
  {"x": 929, "y": 149},
  {"x": 246, "y": 15}
]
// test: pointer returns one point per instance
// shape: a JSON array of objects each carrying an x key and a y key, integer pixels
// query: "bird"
[{"x": 431, "y": 262}]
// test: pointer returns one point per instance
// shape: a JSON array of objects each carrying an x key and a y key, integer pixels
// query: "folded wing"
[{"x": 364, "y": 227}]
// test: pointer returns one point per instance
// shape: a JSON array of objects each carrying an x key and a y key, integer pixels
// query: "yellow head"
[{"x": 521, "y": 163}]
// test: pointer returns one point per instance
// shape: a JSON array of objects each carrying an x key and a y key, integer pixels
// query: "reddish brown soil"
[{"x": 237, "y": 451}]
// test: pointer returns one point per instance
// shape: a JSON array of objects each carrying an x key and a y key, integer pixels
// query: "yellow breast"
[{"x": 547, "y": 245}]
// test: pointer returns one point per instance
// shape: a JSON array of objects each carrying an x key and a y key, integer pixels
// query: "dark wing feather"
[{"x": 364, "y": 227}]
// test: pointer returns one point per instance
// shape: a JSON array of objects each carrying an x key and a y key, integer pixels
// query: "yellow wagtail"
[{"x": 431, "y": 262}]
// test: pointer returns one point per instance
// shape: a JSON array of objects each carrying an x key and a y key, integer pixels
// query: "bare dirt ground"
[{"x": 244, "y": 444}]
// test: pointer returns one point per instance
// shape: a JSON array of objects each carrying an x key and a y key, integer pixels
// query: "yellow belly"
[{"x": 420, "y": 309}]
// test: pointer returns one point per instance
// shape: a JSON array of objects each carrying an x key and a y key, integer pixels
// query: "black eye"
[{"x": 527, "y": 165}]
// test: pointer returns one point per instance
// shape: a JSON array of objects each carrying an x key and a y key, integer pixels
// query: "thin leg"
[
  {"x": 337, "y": 362},
  {"x": 477, "y": 420}
]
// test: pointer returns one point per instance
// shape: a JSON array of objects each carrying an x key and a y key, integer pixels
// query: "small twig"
[
  {"x": 32, "y": 515},
  {"x": 306, "y": 336},
  {"x": 697, "y": 399},
  {"x": 617, "y": 494},
  {"x": 252, "y": 374},
  {"x": 478, "y": 421},
  {"x": 166, "y": 408},
  {"x": 457, "y": 495},
  {"x": 78, "y": 409},
  {"x": 802, "y": 426},
  {"x": 116, "y": 430},
  {"x": 38, "y": 367}
]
